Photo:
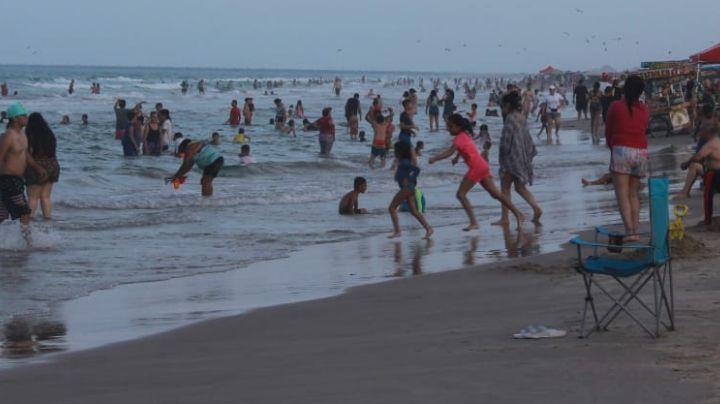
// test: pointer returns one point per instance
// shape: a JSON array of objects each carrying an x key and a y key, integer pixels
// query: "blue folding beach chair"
[{"x": 652, "y": 265}]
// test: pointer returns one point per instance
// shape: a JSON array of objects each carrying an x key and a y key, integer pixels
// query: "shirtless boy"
[
  {"x": 349, "y": 202},
  {"x": 710, "y": 153},
  {"x": 13, "y": 161},
  {"x": 379, "y": 146}
]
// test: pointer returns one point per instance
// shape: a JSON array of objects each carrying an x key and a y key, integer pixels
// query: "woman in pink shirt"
[
  {"x": 625, "y": 135},
  {"x": 478, "y": 169}
]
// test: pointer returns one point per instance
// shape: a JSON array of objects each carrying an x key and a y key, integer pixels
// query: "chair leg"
[
  {"x": 587, "y": 281},
  {"x": 620, "y": 306},
  {"x": 626, "y": 298}
]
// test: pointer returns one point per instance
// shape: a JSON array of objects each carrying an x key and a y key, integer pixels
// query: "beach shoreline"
[{"x": 438, "y": 337}]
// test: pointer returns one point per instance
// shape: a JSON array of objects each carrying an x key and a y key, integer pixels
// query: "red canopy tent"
[
  {"x": 548, "y": 70},
  {"x": 708, "y": 56}
]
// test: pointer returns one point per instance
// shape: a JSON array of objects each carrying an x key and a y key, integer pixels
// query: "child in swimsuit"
[
  {"x": 406, "y": 177},
  {"x": 349, "y": 202},
  {"x": 478, "y": 169}
]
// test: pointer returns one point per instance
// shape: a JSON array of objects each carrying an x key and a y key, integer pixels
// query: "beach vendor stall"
[{"x": 665, "y": 95}]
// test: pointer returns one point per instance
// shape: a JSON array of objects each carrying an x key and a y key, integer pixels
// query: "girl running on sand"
[
  {"x": 406, "y": 177},
  {"x": 478, "y": 169}
]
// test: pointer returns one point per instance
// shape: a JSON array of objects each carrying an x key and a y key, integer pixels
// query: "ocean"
[{"x": 117, "y": 223}]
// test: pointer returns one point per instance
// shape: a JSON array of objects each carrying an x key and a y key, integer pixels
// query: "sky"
[{"x": 400, "y": 35}]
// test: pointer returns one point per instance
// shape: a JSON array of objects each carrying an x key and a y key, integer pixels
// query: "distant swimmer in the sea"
[
  {"x": 406, "y": 177},
  {"x": 207, "y": 158},
  {"x": 184, "y": 86},
  {"x": 349, "y": 202},
  {"x": 65, "y": 120},
  {"x": 245, "y": 158},
  {"x": 85, "y": 119}
]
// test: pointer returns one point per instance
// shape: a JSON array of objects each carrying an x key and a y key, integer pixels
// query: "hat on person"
[
  {"x": 16, "y": 110},
  {"x": 552, "y": 86}
]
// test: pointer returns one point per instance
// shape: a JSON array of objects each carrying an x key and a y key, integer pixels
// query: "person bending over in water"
[
  {"x": 349, "y": 202},
  {"x": 478, "y": 170},
  {"x": 406, "y": 177},
  {"x": 207, "y": 158}
]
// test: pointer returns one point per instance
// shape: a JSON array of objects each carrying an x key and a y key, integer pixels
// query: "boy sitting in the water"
[{"x": 349, "y": 202}]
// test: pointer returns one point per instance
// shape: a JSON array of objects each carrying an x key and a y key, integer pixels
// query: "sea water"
[{"x": 116, "y": 222}]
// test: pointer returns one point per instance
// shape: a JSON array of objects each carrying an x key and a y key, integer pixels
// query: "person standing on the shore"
[
  {"x": 625, "y": 135},
  {"x": 580, "y": 98},
  {"x": 596, "y": 109},
  {"x": 517, "y": 151},
  {"x": 432, "y": 109},
  {"x": 478, "y": 169},
  {"x": 327, "y": 131},
  {"x": 553, "y": 101},
  {"x": 248, "y": 110},
  {"x": 353, "y": 112},
  {"x": 43, "y": 170},
  {"x": 406, "y": 177},
  {"x": 207, "y": 158},
  {"x": 13, "y": 163},
  {"x": 121, "y": 118},
  {"x": 528, "y": 99}
]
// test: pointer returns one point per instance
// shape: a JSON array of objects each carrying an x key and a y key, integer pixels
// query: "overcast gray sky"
[{"x": 498, "y": 36}]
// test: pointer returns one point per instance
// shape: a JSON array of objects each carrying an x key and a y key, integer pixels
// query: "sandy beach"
[{"x": 442, "y": 337}]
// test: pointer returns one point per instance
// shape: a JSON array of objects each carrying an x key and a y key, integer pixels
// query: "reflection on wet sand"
[
  {"x": 522, "y": 243},
  {"x": 418, "y": 250},
  {"x": 22, "y": 339}
]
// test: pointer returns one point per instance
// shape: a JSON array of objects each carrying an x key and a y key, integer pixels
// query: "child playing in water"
[
  {"x": 290, "y": 128},
  {"x": 245, "y": 158},
  {"x": 478, "y": 170},
  {"x": 484, "y": 138},
  {"x": 406, "y": 177},
  {"x": 349, "y": 202},
  {"x": 379, "y": 146},
  {"x": 419, "y": 146}
]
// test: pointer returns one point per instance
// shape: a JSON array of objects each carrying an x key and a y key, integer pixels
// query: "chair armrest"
[{"x": 606, "y": 232}]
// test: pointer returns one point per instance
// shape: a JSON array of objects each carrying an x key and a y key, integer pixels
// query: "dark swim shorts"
[
  {"x": 213, "y": 169},
  {"x": 12, "y": 197},
  {"x": 378, "y": 151}
]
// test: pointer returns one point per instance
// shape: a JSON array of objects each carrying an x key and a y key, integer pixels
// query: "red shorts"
[
  {"x": 478, "y": 173},
  {"x": 119, "y": 133}
]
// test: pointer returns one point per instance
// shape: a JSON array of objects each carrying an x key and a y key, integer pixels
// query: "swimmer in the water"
[
  {"x": 349, "y": 202},
  {"x": 207, "y": 158},
  {"x": 65, "y": 120},
  {"x": 215, "y": 139}
]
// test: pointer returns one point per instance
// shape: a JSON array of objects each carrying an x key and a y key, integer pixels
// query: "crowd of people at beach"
[{"x": 28, "y": 147}]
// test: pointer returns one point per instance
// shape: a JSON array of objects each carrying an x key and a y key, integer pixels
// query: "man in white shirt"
[{"x": 553, "y": 102}]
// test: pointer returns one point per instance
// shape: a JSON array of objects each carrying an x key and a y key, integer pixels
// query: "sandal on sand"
[{"x": 539, "y": 331}]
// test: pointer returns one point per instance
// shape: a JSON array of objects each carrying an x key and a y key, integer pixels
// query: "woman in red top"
[
  {"x": 478, "y": 169},
  {"x": 625, "y": 135},
  {"x": 327, "y": 131}
]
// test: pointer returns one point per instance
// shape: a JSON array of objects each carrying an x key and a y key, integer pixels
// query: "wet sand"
[
  {"x": 443, "y": 337},
  {"x": 440, "y": 337}
]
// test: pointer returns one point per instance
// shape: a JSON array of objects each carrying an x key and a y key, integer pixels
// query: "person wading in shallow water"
[{"x": 13, "y": 162}]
